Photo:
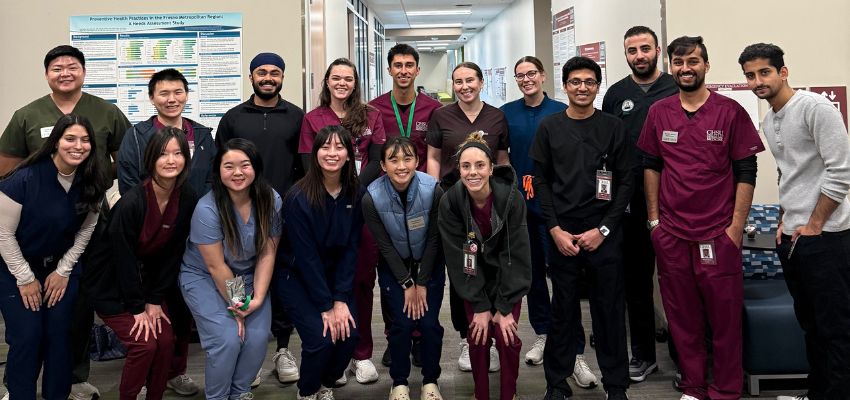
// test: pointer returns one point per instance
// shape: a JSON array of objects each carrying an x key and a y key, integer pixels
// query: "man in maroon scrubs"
[{"x": 700, "y": 171}]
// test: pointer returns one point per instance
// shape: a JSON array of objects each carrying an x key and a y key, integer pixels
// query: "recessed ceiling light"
[
  {"x": 419, "y": 26},
  {"x": 438, "y": 12}
]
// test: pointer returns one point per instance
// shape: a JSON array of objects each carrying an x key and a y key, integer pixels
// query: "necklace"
[{"x": 68, "y": 175}]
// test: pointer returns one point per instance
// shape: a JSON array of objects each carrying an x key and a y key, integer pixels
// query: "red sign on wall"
[{"x": 837, "y": 95}]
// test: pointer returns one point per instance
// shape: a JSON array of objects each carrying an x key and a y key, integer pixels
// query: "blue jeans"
[
  {"x": 36, "y": 338},
  {"x": 402, "y": 326}
]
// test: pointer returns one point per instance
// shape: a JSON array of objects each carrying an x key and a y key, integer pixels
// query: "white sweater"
[{"x": 809, "y": 141}]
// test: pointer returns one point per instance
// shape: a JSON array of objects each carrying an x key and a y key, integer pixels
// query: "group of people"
[{"x": 285, "y": 220}]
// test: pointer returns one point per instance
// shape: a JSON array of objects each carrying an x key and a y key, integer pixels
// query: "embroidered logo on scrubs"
[
  {"x": 627, "y": 106},
  {"x": 367, "y": 132},
  {"x": 714, "y": 135},
  {"x": 422, "y": 126}
]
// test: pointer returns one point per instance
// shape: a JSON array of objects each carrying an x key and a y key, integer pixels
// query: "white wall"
[
  {"x": 432, "y": 73},
  {"x": 502, "y": 42},
  {"x": 336, "y": 33}
]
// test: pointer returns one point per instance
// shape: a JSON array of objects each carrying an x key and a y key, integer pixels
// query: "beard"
[
  {"x": 265, "y": 95},
  {"x": 653, "y": 64},
  {"x": 698, "y": 81}
]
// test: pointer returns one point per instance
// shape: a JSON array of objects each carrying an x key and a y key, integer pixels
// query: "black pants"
[
  {"x": 459, "y": 322},
  {"x": 639, "y": 270},
  {"x": 818, "y": 278},
  {"x": 82, "y": 320},
  {"x": 281, "y": 323},
  {"x": 604, "y": 269}
]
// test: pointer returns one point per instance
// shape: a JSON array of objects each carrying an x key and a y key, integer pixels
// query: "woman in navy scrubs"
[
  {"x": 323, "y": 224},
  {"x": 48, "y": 209}
]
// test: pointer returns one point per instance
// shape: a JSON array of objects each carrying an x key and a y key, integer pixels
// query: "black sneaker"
[
  {"x": 677, "y": 381},
  {"x": 416, "y": 352},
  {"x": 616, "y": 394},
  {"x": 639, "y": 369},
  {"x": 386, "y": 359},
  {"x": 553, "y": 393}
]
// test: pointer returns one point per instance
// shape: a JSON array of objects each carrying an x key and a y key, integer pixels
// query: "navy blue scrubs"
[{"x": 50, "y": 219}]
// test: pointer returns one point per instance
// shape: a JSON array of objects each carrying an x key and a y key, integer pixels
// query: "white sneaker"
[
  {"x": 183, "y": 385},
  {"x": 686, "y": 397},
  {"x": 285, "y": 365},
  {"x": 325, "y": 394},
  {"x": 582, "y": 374},
  {"x": 494, "y": 359},
  {"x": 535, "y": 355},
  {"x": 463, "y": 362},
  {"x": 310, "y": 397},
  {"x": 143, "y": 394},
  {"x": 797, "y": 397},
  {"x": 83, "y": 391},
  {"x": 400, "y": 392},
  {"x": 246, "y": 396},
  {"x": 258, "y": 380},
  {"x": 364, "y": 371}
]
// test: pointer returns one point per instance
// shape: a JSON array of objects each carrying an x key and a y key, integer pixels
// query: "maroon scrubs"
[
  {"x": 697, "y": 200},
  {"x": 321, "y": 117},
  {"x": 425, "y": 106}
]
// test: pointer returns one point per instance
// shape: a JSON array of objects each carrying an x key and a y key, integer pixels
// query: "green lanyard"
[{"x": 398, "y": 116}]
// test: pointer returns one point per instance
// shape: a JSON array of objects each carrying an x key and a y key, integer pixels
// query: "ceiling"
[{"x": 440, "y": 32}]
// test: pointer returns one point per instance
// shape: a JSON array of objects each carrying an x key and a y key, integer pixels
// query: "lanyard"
[{"x": 398, "y": 116}]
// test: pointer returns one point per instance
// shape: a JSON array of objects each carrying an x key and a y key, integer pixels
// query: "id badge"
[
  {"x": 191, "y": 149},
  {"x": 604, "y": 184},
  {"x": 707, "y": 256},
  {"x": 470, "y": 258},
  {"x": 357, "y": 164}
]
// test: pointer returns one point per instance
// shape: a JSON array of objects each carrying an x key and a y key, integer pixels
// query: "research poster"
[
  {"x": 123, "y": 51},
  {"x": 563, "y": 44},
  {"x": 596, "y": 52}
]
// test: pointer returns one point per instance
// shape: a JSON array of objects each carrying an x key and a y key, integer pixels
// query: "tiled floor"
[{"x": 453, "y": 383}]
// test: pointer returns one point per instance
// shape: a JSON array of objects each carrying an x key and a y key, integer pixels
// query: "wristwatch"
[
  {"x": 652, "y": 224},
  {"x": 408, "y": 283},
  {"x": 604, "y": 230}
]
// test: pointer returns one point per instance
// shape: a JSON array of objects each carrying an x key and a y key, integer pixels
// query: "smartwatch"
[
  {"x": 408, "y": 283},
  {"x": 652, "y": 224},
  {"x": 604, "y": 230}
]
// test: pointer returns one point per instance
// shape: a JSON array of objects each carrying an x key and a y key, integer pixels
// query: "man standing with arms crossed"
[
  {"x": 630, "y": 99},
  {"x": 808, "y": 138},
  {"x": 65, "y": 70},
  {"x": 700, "y": 174},
  {"x": 274, "y": 125},
  {"x": 403, "y": 113}
]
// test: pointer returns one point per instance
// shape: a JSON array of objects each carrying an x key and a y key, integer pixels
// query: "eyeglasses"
[
  {"x": 530, "y": 75},
  {"x": 576, "y": 83}
]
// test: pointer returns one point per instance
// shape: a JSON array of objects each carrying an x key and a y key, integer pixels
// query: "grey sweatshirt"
[{"x": 809, "y": 141}]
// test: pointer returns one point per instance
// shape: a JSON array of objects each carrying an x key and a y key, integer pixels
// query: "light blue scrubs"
[{"x": 231, "y": 365}]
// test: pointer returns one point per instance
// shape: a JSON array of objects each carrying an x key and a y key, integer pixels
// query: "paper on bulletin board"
[
  {"x": 742, "y": 94},
  {"x": 563, "y": 44},
  {"x": 499, "y": 84},
  {"x": 123, "y": 51}
]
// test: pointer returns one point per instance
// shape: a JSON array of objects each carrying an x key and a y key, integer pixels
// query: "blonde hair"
[{"x": 476, "y": 140}]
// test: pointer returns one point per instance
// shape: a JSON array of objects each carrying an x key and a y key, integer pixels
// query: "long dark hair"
[
  {"x": 93, "y": 177},
  {"x": 312, "y": 184},
  {"x": 157, "y": 145},
  {"x": 260, "y": 193},
  {"x": 356, "y": 111}
]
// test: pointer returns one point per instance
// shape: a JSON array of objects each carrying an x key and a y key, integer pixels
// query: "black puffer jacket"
[{"x": 504, "y": 259}]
